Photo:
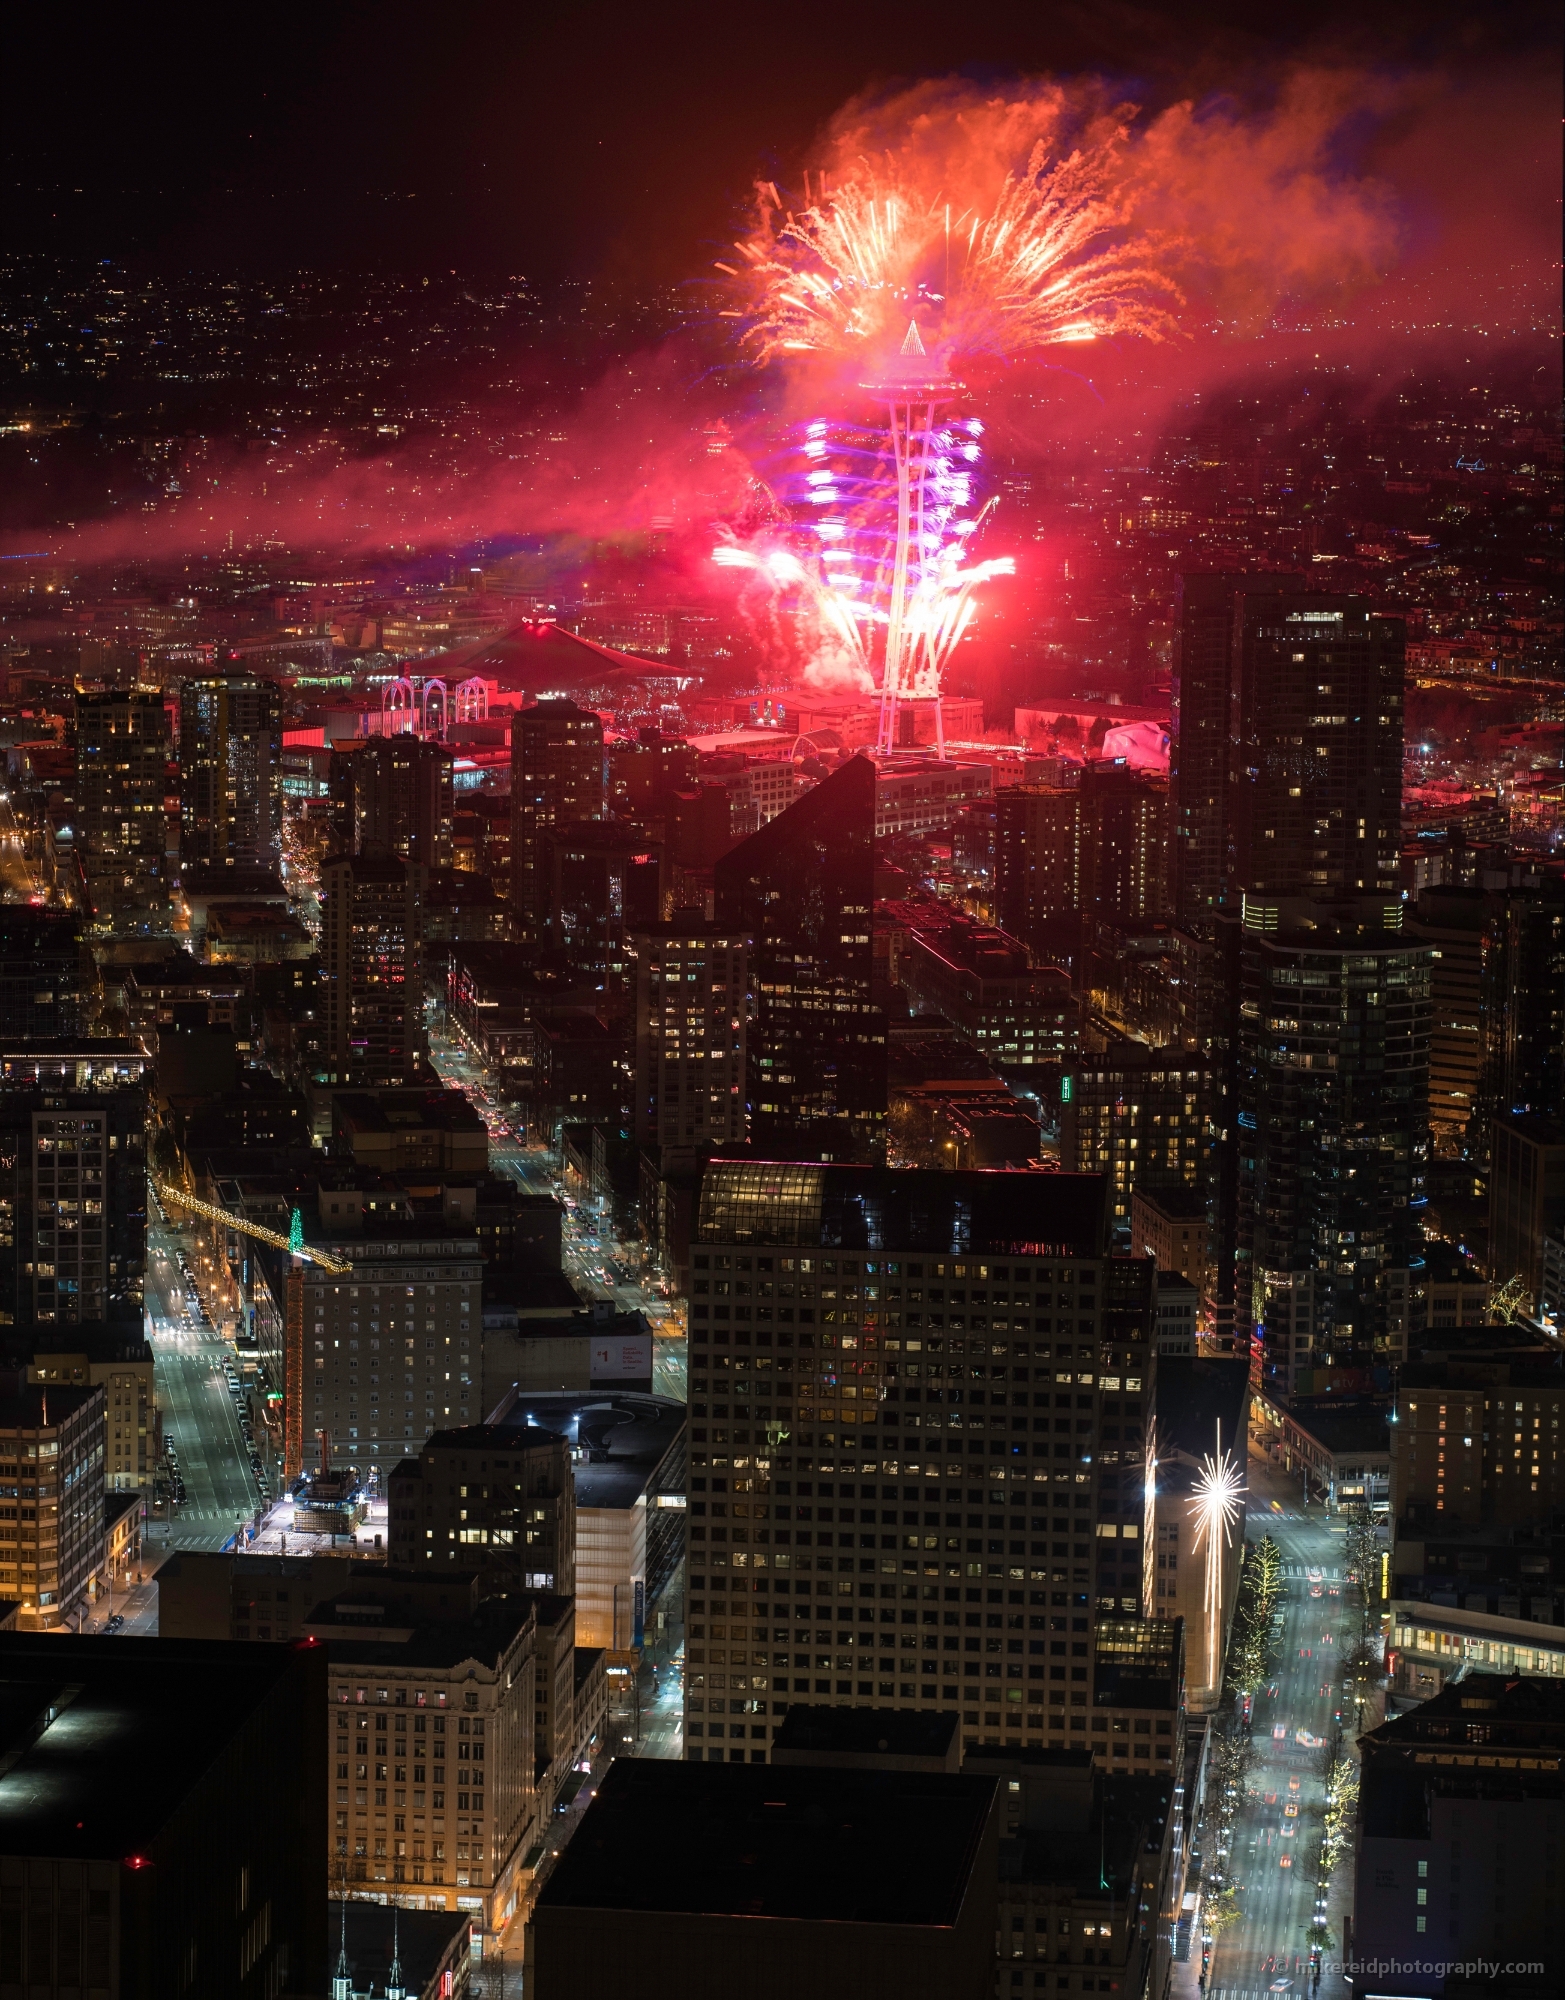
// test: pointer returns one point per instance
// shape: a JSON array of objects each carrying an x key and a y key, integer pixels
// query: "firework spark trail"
[
  {"x": 1044, "y": 262},
  {"x": 1036, "y": 268}
]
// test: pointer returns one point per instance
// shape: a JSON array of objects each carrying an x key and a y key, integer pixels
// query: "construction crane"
[{"x": 293, "y": 1242}]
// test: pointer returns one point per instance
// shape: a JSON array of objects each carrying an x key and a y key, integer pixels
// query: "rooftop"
[
  {"x": 84, "y": 1721},
  {"x": 914, "y": 1210},
  {"x": 841, "y": 1733},
  {"x": 623, "y": 1439},
  {"x": 785, "y": 1842}
]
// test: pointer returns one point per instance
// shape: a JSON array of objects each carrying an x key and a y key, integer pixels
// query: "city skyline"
[{"x": 782, "y": 1006}]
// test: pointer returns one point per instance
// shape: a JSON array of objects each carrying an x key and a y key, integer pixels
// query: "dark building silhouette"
[
  {"x": 210, "y": 1880},
  {"x": 1287, "y": 766},
  {"x": 230, "y": 773},
  {"x": 1460, "y": 1822},
  {"x": 556, "y": 777},
  {"x": 392, "y": 795},
  {"x": 40, "y": 972},
  {"x": 803, "y": 888},
  {"x": 605, "y": 880},
  {"x": 1098, "y": 848}
]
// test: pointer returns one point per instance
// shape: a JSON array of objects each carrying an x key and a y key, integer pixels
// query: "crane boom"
[{"x": 246, "y": 1227}]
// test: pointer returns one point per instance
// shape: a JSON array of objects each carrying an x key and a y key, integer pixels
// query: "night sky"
[{"x": 604, "y": 140}]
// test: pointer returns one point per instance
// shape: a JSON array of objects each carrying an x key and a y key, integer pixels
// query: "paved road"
[
  {"x": 595, "y": 1261},
  {"x": 1267, "y": 1951},
  {"x": 198, "y": 1410}
]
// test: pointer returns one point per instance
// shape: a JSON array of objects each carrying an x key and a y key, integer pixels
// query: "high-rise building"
[
  {"x": 1450, "y": 921},
  {"x": 803, "y": 890},
  {"x": 983, "y": 981},
  {"x": 1098, "y": 848},
  {"x": 210, "y": 1880},
  {"x": 516, "y": 1523},
  {"x": 122, "y": 757},
  {"x": 51, "y": 1454},
  {"x": 556, "y": 776},
  {"x": 382, "y": 1361},
  {"x": 605, "y": 880},
  {"x": 41, "y": 977},
  {"x": 938, "y": 1386},
  {"x": 230, "y": 772},
  {"x": 1287, "y": 765},
  {"x": 73, "y": 1206},
  {"x": 900, "y": 1898},
  {"x": 1333, "y": 1100},
  {"x": 1139, "y": 1115},
  {"x": 393, "y": 795},
  {"x": 1125, "y": 821},
  {"x": 692, "y": 988},
  {"x": 372, "y": 967},
  {"x": 1534, "y": 1014}
]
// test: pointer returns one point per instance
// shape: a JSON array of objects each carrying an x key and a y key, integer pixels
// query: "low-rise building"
[
  {"x": 431, "y": 1740},
  {"x": 1344, "y": 1454},
  {"x": 162, "y": 1804},
  {"x": 628, "y": 1455},
  {"x": 1178, "y": 1314},
  {"x": 496, "y": 1497},
  {"x": 1461, "y": 1824},
  {"x": 113, "y": 1359},
  {"x": 674, "y": 1864}
]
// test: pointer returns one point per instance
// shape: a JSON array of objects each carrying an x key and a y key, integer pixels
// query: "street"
[
  {"x": 595, "y": 1261},
  {"x": 197, "y": 1408},
  {"x": 1275, "y": 1852}
]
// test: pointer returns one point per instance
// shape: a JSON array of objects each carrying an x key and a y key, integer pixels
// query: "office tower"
[
  {"x": 556, "y": 776},
  {"x": 692, "y": 995},
  {"x": 209, "y": 1879},
  {"x": 1332, "y": 1107},
  {"x": 51, "y": 1454},
  {"x": 372, "y": 968},
  {"x": 380, "y": 1363},
  {"x": 393, "y": 795},
  {"x": 1457, "y": 1850},
  {"x": 1450, "y": 921},
  {"x": 1138, "y": 1115},
  {"x": 1011, "y": 1525},
  {"x": 41, "y": 977},
  {"x": 1287, "y": 763},
  {"x": 675, "y": 1868},
  {"x": 429, "y": 1713},
  {"x": 73, "y": 1206},
  {"x": 803, "y": 889},
  {"x": 122, "y": 757},
  {"x": 1526, "y": 1197},
  {"x": 1039, "y": 868},
  {"x": 230, "y": 773},
  {"x": 605, "y": 880}
]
